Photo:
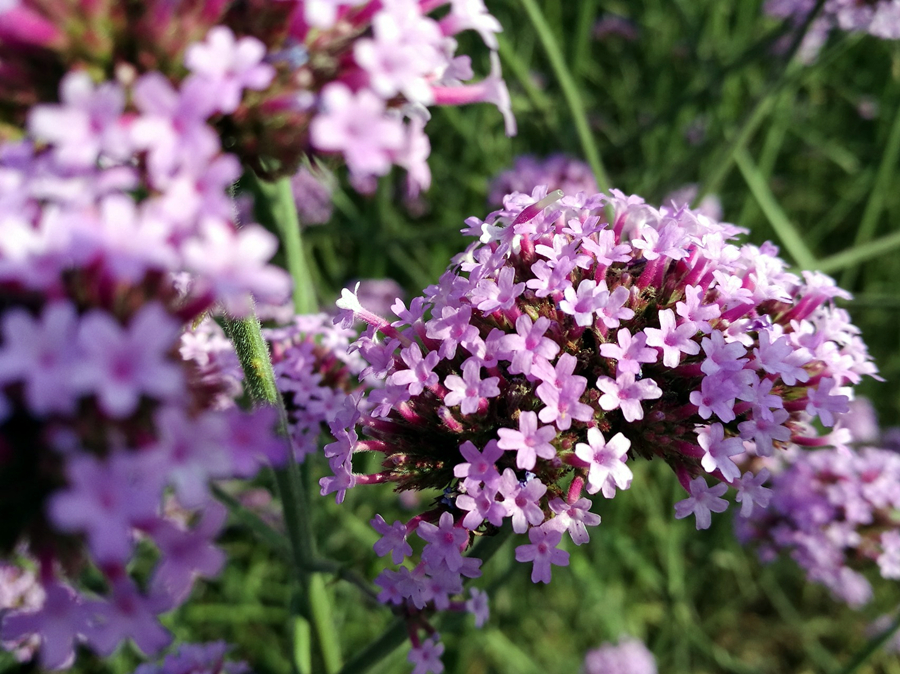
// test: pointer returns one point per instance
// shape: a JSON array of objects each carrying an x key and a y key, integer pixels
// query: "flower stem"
[
  {"x": 253, "y": 354},
  {"x": 276, "y": 207}
]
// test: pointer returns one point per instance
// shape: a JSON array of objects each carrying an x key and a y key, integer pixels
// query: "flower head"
[{"x": 648, "y": 334}]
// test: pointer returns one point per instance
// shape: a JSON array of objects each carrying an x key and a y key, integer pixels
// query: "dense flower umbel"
[
  {"x": 326, "y": 76},
  {"x": 558, "y": 348},
  {"x": 836, "y": 511},
  {"x": 116, "y": 232}
]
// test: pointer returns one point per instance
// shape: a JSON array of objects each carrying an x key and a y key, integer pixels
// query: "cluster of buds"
[
  {"x": 117, "y": 233},
  {"x": 835, "y": 510},
  {"x": 577, "y": 334},
  {"x": 352, "y": 77}
]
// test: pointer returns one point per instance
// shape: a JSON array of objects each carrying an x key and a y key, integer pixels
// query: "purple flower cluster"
[
  {"x": 835, "y": 511},
  {"x": 315, "y": 370},
  {"x": 117, "y": 233},
  {"x": 880, "y": 18},
  {"x": 558, "y": 171},
  {"x": 196, "y": 659},
  {"x": 561, "y": 346},
  {"x": 348, "y": 77},
  {"x": 629, "y": 656}
]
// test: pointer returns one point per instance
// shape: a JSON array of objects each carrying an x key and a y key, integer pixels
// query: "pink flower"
[
  {"x": 356, "y": 124},
  {"x": 122, "y": 363},
  {"x": 630, "y": 351},
  {"x": 230, "y": 65},
  {"x": 43, "y": 353},
  {"x": 824, "y": 403},
  {"x": 444, "y": 542},
  {"x": 702, "y": 501},
  {"x": 521, "y": 500},
  {"x": 606, "y": 462},
  {"x": 626, "y": 394},
  {"x": 582, "y": 304},
  {"x": 528, "y": 342},
  {"x": 673, "y": 341},
  {"x": 86, "y": 123},
  {"x": 574, "y": 518},
  {"x": 751, "y": 491},
  {"x": 427, "y": 656},
  {"x": 419, "y": 375},
  {"x": 186, "y": 554},
  {"x": 479, "y": 467},
  {"x": 468, "y": 390},
  {"x": 106, "y": 501},
  {"x": 542, "y": 552},
  {"x": 129, "y": 615},
  {"x": 477, "y": 605},
  {"x": 718, "y": 451},
  {"x": 60, "y": 622},
  {"x": 529, "y": 441},
  {"x": 393, "y": 539}
]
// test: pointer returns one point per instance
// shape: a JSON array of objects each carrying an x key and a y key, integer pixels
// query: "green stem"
[
  {"x": 259, "y": 377},
  {"x": 253, "y": 354},
  {"x": 570, "y": 92},
  {"x": 871, "y": 648},
  {"x": 769, "y": 154},
  {"x": 514, "y": 64},
  {"x": 277, "y": 208}
]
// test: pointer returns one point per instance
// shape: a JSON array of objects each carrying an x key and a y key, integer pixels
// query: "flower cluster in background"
[
  {"x": 354, "y": 78},
  {"x": 117, "y": 234},
  {"x": 560, "y": 346},
  {"x": 835, "y": 510},
  {"x": 196, "y": 659},
  {"x": 315, "y": 372},
  {"x": 628, "y": 656},
  {"x": 880, "y": 18},
  {"x": 558, "y": 171}
]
